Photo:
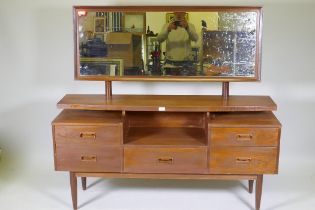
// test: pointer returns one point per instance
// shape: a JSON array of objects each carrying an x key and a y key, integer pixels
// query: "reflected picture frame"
[
  {"x": 99, "y": 24},
  {"x": 134, "y": 22},
  {"x": 113, "y": 66}
]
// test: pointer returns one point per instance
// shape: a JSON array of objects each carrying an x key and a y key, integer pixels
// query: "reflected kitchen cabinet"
[{"x": 126, "y": 46}]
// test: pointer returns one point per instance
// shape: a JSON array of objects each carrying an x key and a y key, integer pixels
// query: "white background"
[{"x": 36, "y": 70}]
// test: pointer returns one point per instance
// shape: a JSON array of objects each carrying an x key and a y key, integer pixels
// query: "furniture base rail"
[{"x": 251, "y": 178}]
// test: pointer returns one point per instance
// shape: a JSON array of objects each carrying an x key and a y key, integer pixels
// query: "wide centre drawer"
[
  {"x": 165, "y": 160},
  {"x": 244, "y": 136},
  {"x": 89, "y": 134},
  {"x": 243, "y": 160},
  {"x": 88, "y": 159}
]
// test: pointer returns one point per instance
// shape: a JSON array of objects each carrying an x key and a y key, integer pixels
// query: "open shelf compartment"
[{"x": 165, "y": 128}]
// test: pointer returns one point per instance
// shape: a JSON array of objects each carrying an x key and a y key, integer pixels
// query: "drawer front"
[
  {"x": 243, "y": 160},
  {"x": 97, "y": 135},
  {"x": 80, "y": 158},
  {"x": 244, "y": 136},
  {"x": 165, "y": 160}
]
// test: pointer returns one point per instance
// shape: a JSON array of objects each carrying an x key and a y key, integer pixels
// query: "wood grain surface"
[
  {"x": 165, "y": 160},
  {"x": 243, "y": 160},
  {"x": 178, "y": 103}
]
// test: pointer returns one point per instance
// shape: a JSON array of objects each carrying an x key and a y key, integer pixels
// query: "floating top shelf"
[{"x": 188, "y": 103}]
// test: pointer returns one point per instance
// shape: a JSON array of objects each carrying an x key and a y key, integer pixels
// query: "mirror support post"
[
  {"x": 225, "y": 90},
  {"x": 108, "y": 89}
]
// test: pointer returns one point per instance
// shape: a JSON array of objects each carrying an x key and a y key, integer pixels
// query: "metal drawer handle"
[
  {"x": 88, "y": 135},
  {"x": 243, "y": 160},
  {"x": 88, "y": 158},
  {"x": 244, "y": 137},
  {"x": 166, "y": 160}
]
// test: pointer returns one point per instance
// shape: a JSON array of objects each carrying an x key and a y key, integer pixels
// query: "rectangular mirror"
[{"x": 167, "y": 43}]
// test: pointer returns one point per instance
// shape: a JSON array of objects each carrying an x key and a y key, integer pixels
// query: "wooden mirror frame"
[{"x": 257, "y": 76}]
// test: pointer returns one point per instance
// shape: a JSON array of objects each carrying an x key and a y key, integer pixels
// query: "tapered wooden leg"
[
  {"x": 259, "y": 183},
  {"x": 250, "y": 186},
  {"x": 73, "y": 184},
  {"x": 83, "y": 180}
]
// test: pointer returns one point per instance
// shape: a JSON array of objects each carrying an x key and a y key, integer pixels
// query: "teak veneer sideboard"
[{"x": 167, "y": 137}]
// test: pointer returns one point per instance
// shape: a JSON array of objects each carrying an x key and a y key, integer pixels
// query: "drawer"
[
  {"x": 244, "y": 136},
  {"x": 80, "y": 158},
  {"x": 165, "y": 160},
  {"x": 89, "y": 134},
  {"x": 243, "y": 160}
]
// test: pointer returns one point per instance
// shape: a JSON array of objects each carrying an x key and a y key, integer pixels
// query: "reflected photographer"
[{"x": 178, "y": 35}]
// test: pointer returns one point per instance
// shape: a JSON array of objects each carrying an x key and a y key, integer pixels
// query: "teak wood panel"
[
  {"x": 165, "y": 160},
  {"x": 166, "y": 119},
  {"x": 244, "y": 136},
  {"x": 243, "y": 119},
  {"x": 190, "y": 8},
  {"x": 89, "y": 134},
  {"x": 176, "y": 103},
  {"x": 170, "y": 176},
  {"x": 243, "y": 160},
  {"x": 88, "y": 117},
  {"x": 82, "y": 158},
  {"x": 166, "y": 136}
]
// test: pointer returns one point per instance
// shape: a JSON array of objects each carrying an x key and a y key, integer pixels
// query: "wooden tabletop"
[
  {"x": 244, "y": 119},
  {"x": 87, "y": 117},
  {"x": 189, "y": 103}
]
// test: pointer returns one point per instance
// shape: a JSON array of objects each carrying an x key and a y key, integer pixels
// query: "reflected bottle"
[{"x": 156, "y": 65}]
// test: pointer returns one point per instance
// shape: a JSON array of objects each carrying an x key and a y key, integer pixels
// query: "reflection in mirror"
[{"x": 212, "y": 44}]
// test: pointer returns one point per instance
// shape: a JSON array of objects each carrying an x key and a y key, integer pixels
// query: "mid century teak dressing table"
[{"x": 226, "y": 137}]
